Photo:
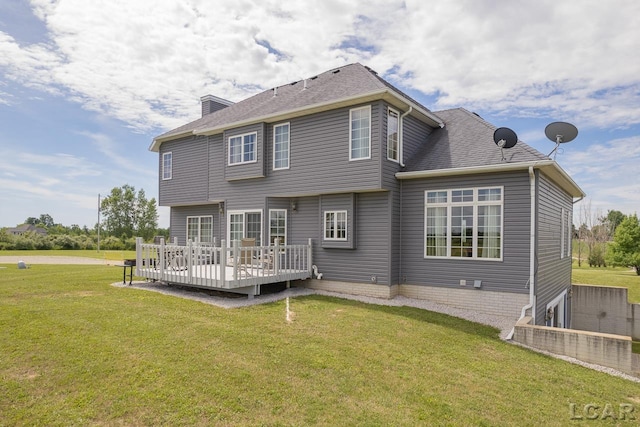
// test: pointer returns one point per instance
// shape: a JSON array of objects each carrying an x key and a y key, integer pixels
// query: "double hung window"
[
  {"x": 281, "y": 146},
  {"x": 464, "y": 223},
  {"x": 360, "y": 133},
  {"x": 167, "y": 165},
  {"x": 242, "y": 148},
  {"x": 278, "y": 226},
  {"x": 392, "y": 136},
  {"x": 335, "y": 225}
]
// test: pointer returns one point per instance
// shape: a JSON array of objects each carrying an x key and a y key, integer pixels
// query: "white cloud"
[
  {"x": 148, "y": 62},
  {"x": 608, "y": 173}
]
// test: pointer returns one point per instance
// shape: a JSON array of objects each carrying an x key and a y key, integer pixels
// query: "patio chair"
[{"x": 245, "y": 261}]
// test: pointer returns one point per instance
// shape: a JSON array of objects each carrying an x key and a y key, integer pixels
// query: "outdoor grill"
[{"x": 130, "y": 262}]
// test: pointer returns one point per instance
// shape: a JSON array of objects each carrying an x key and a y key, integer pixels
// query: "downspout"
[
  {"x": 401, "y": 135},
  {"x": 532, "y": 258}
]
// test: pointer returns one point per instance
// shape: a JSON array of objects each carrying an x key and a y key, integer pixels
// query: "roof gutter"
[{"x": 550, "y": 167}]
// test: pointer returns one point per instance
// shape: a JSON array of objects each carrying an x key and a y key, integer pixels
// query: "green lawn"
[
  {"x": 77, "y": 351},
  {"x": 609, "y": 276},
  {"x": 110, "y": 255}
]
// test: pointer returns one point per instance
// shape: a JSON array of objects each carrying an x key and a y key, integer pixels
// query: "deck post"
[
  {"x": 189, "y": 260},
  {"x": 236, "y": 259},
  {"x": 309, "y": 257},
  {"x": 138, "y": 255},
  {"x": 223, "y": 262},
  {"x": 276, "y": 258},
  {"x": 162, "y": 259}
]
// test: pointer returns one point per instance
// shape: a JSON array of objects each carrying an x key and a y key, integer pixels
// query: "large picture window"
[
  {"x": 335, "y": 225},
  {"x": 200, "y": 229},
  {"x": 464, "y": 223},
  {"x": 242, "y": 148},
  {"x": 281, "y": 146},
  {"x": 360, "y": 133}
]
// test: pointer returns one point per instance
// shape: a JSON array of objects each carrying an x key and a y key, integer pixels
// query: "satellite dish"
[
  {"x": 560, "y": 132},
  {"x": 504, "y": 138}
]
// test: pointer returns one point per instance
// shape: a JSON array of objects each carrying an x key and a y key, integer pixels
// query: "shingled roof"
[
  {"x": 466, "y": 141},
  {"x": 324, "y": 91}
]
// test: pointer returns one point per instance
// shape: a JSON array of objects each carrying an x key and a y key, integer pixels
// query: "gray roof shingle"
[
  {"x": 344, "y": 82},
  {"x": 465, "y": 141}
]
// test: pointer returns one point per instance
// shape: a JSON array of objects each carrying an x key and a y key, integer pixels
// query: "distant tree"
[
  {"x": 46, "y": 220},
  {"x": 129, "y": 214},
  {"x": 625, "y": 249},
  {"x": 612, "y": 220}
]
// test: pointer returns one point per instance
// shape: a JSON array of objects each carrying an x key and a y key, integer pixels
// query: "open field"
[
  {"x": 77, "y": 351},
  {"x": 608, "y": 276},
  {"x": 106, "y": 255}
]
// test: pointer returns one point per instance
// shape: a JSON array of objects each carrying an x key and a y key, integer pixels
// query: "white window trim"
[
  {"x": 244, "y": 228},
  {"x": 199, "y": 238},
  {"x": 368, "y": 108},
  {"x": 164, "y": 155},
  {"x": 335, "y": 219},
  {"x": 255, "y": 149},
  {"x": 397, "y": 113},
  {"x": 449, "y": 204},
  {"x": 285, "y": 225},
  {"x": 288, "y": 124}
]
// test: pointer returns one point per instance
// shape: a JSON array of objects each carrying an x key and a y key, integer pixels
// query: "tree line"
[
  {"x": 125, "y": 214},
  {"x": 612, "y": 239}
]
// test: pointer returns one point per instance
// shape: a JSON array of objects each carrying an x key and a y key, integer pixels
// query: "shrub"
[
  {"x": 63, "y": 241},
  {"x": 112, "y": 243},
  {"x": 24, "y": 243}
]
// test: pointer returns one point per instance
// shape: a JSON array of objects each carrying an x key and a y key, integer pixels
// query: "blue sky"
[{"x": 85, "y": 86}]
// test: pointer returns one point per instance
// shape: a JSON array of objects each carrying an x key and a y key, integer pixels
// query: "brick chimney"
[{"x": 211, "y": 104}]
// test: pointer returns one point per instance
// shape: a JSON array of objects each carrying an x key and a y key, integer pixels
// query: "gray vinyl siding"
[
  {"x": 188, "y": 184},
  {"x": 371, "y": 258},
  {"x": 178, "y": 218},
  {"x": 509, "y": 275},
  {"x": 394, "y": 236},
  {"x": 415, "y": 133},
  {"x": 319, "y": 163},
  {"x": 553, "y": 272},
  {"x": 340, "y": 202},
  {"x": 245, "y": 170}
]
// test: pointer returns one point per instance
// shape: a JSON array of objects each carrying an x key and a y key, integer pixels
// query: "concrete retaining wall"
[
  {"x": 609, "y": 350},
  {"x": 604, "y": 309}
]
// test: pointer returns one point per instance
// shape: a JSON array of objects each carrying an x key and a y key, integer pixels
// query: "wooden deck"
[{"x": 235, "y": 269}]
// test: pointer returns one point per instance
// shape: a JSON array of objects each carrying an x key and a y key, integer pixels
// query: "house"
[
  {"x": 26, "y": 228},
  {"x": 392, "y": 198}
]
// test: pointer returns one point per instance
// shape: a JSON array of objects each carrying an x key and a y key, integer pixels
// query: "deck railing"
[{"x": 223, "y": 266}]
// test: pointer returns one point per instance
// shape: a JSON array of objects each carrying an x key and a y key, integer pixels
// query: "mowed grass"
[
  {"x": 77, "y": 351},
  {"x": 108, "y": 255},
  {"x": 608, "y": 276}
]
